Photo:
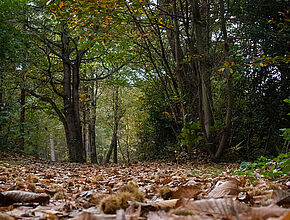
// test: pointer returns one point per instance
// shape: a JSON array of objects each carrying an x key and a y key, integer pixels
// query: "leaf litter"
[{"x": 34, "y": 189}]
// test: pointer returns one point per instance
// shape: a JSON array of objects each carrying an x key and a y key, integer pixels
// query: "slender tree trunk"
[
  {"x": 113, "y": 145},
  {"x": 228, "y": 119},
  {"x": 227, "y": 129},
  {"x": 203, "y": 71},
  {"x": 92, "y": 139},
  {"x": 84, "y": 132},
  {"x": 116, "y": 148},
  {"x": 117, "y": 117},
  {"x": 92, "y": 124},
  {"x": 1, "y": 105},
  {"x": 22, "y": 119},
  {"x": 52, "y": 152},
  {"x": 87, "y": 145}
]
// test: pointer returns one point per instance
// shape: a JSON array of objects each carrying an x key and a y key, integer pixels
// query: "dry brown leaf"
[
  {"x": 286, "y": 216},
  {"x": 133, "y": 214},
  {"x": 15, "y": 196},
  {"x": 224, "y": 207},
  {"x": 152, "y": 206},
  {"x": 266, "y": 212},
  {"x": 281, "y": 197},
  {"x": 165, "y": 204},
  {"x": 6, "y": 217},
  {"x": 161, "y": 215},
  {"x": 230, "y": 187},
  {"x": 91, "y": 216},
  {"x": 186, "y": 192},
  {"x": 6, "y": 208}
]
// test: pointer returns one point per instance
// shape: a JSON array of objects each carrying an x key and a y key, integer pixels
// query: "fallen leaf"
[
  {"x": 281, "y": 197},
  {"x": 224, "y": 207},
  {"x": 15, "y": 196},
  {"x": 266, "y": 212},
  {"x": 230, "y": 187},
  {"x": 132, "y": 214},
  {"x": 165, "y": 204},
  {"x": 161, "y": 215},
  {"x": 6, "y": 217},
  {"x": 186, "y": 192},
  {"x": 92, "y": 216}
]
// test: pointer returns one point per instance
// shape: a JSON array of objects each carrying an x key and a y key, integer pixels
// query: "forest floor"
[{"x": 34, "y": 189}]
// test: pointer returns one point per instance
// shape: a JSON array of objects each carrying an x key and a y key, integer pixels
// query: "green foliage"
[
  {"x": 286, "y": 131},
  {"x": 157, "y": 130},
  {"x": 190, "y": 136},
  {"x": 270, "y": 168}
]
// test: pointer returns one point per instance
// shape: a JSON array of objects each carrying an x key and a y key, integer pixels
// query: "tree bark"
[
  {"x": 203, "y": 71},
  {"x": 92, "y": 123},
  {"x": 22, "y": 119},
  {"x": 117, "y": 118},
  {"x": 71, "y": 103},
  {"x": 1, "y": 104},
  {"x": 52, "y": 152},
  {"x": 228, "y": 118}
]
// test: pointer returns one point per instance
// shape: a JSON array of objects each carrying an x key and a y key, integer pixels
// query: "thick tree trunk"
[
  {"x": 71, "y": 103},
  {"x": 74, "y": 139},
  {"x": 22, "y": 119}
]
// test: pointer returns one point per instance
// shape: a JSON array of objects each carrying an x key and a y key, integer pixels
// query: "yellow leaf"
[
  {"x": 233, "y": 63},
  {"x": 231, "y": 71},
  {"x": 166, "y": 113},
  {"x": 221, "y": 69},
  {"x": 261, "y": 64},
  {"x": 226, "y": 63},
  {"x": 60, "y": 4}
]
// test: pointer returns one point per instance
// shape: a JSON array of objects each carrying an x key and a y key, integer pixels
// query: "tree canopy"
[{"x": 144, "y": 80}]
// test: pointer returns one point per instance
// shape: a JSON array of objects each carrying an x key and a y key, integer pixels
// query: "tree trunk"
[
  {"x": 92, "y": 124},
  {"x": 113, "y": 145},
  {"x": 22, "y": 119},
  {"x": 84, "y": 132},
  {"x": 87, "y": 146},
  {"x": 228, "y": 118},
  {"x": 116, "y": 149},
  {"x": 52, "y": 152},
  {"x": 71, "y": 103},
  {"x": 117, "y": 118},
  {"x": 92, "y": 139},
  {"x": 203, "y": 71},
  {"x": 74, "y": 139},
  {"x": 1, "y": 104}
]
